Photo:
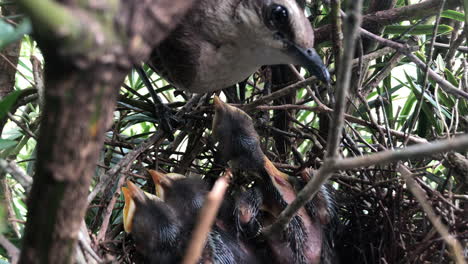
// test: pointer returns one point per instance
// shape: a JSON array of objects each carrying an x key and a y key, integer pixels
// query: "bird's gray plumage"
[{"x": 222, "y": 42}]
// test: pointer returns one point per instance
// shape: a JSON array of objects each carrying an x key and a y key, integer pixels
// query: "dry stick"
[
  {"x": 8, "y": 203},
  {"x": 11, "y": 249},
  {"x": 303, "y": 83},
  {"x": 278, "y": 94},
  {"x": 124, "y": 162},
  {"x": 392, "y": 63},
  {"x": 444, "y": 84},
  {"x": 391, "y": 16},
  {"x": 459, "y": 143},
  {"x": 426, "y": 72},
  {"x": 16, "y": 68},
  {"x": 85, "y": 242},
  {"x": 17, "y": 173},
  {"x": 206, "y": 219},
  {"x": 463, "y": 49},
  {"x": 337, "y": 33},
  {"x": 131, "y": 156},
  {"x": 405, "y": 49},
  {"x": 108, "y": 211},
  {"x": 352, "y": 23},
  {"x": 22, "y": 126},
  {"x": 26, "y": 182},
  {"x": 418, "y": 193},
  {"x": 323, "y": 108}
]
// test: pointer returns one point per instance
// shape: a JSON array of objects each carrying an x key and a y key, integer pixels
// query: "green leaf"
[
  {"x": 452, "y": 14},
  {"x": 417, "y": 30},
  {"x": 7, "y": 102},
  {"x": 6, "y": 143},
  {"x": 10, "y": 34},
  {"x": 465, "y": 8},
  {"x": 451, "y": 78}
]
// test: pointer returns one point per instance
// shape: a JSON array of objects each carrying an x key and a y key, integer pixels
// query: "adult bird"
[{"x": 220, "y": 43}]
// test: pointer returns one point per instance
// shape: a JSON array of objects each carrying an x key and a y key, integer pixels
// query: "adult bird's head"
[
  {"x": 284, "y": 33},
  {"x": 222, "y": 42}
]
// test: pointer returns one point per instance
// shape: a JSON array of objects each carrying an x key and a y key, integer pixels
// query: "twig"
[
  {"x": 22, "y": 126},
  {"x": 337, "y": 34},
  {"x": 157, "y": 138},
  {"x": 8, "y": 204},
  {"x": 426, "y": 71},
  {"x": 18, "y": 174},
  {"x": 278, "y": 94},
  {"x": 124, "y": 162},
  {"x": 11, "y": 249},
  {"x": 16, "y": 68},
  {"x": 352, "y": 23},
  {"x": 206, "y": 219},
  {"x": 418, "y": 193},
  {"x": 447, "y": 46},
  {"x": 454, "y": 144},
  {"x": 323, "y": 108},
  {"x": 405, "y": 49},
  {"x": 391, "y": 16},
  {"x": 85, "y": 243},
  {"x": 108, "y": 211}
]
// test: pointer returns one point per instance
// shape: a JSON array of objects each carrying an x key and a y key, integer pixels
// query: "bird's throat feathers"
[{"x": 276, "y": 175}]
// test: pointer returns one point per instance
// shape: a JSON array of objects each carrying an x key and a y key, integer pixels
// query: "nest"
[{"x": 379, "y": 219}]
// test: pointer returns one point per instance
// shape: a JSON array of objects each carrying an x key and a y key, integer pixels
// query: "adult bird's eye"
[{"x": 279, "y": 16}]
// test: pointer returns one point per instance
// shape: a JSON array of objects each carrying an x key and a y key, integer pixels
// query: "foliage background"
[{"x": 380, "y": 220}]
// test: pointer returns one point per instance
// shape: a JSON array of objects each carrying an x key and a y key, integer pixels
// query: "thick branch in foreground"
[
  {"x": 82, "y": 82},
  {"x": 206, "y": 218},
  {"x": 78, "y": 109}
]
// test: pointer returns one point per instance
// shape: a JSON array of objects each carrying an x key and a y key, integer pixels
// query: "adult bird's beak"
[{"x": 308, "y": 58}]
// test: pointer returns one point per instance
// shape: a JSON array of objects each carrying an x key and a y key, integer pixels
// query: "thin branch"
[
  {"x": 426, "y": 71},
  {"x": 352, "y": 23},
  {"x": 405, "y": 49},
  {"x": 391, "y": 16},
  {"x": 157, "y": 138},
  {"x": 420, "y": 150},
  {"x": 22, "y": 126},
  {"x": 206, "y": 218},
  {"x": 463, "y": 49},
  {"x": 418, "y": 193},
  {"x": 12, "y": 250},
  {"x": 18, "y": 174}
]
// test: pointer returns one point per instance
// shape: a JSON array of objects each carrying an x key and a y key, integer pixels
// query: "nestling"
[{"x": 239, "y": 143}]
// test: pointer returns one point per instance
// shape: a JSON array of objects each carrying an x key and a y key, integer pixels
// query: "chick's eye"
[{"x": 279, "y": 15}]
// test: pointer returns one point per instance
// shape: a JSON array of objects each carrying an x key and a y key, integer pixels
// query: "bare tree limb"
[
  {"x": 206, "y": 218},
  {"x": 419, "y": 150},
  {"x": 352, "y": 24},
  {"x": 453, "y": 243},
  {"x": 11, "y": 249}
]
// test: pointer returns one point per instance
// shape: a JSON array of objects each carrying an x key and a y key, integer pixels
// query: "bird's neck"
[{"x": 277, "y": 176}]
